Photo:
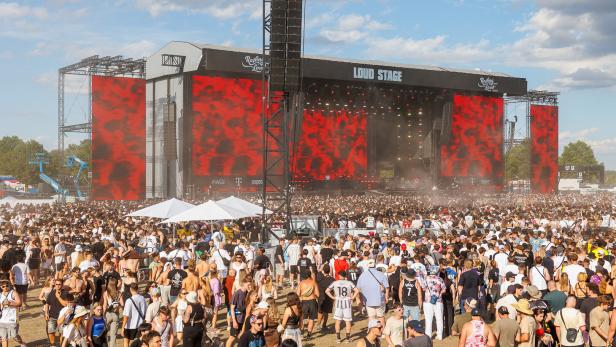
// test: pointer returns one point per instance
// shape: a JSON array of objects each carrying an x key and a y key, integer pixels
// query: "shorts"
[
  {"x": 131, "y": 334},
  {"x": 326, "y": 306},
  {"x": 310, "y": 309},
  {"x": 279, "y": 269},
  {"x": 235, "y": 332},
  {"x": 59, "y": 266},
  {"x": 21, "y": 288},
  {"x": 52, "y": 326},
  {"x": 8, "y": 331},
  {"x": 375, "y": 312},
  {"x": 344, "y": 310},
  {"x": 294, "y": 270}
]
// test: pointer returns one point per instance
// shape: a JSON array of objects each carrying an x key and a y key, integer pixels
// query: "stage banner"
[
  {"x": 475, "y": 147},
  {"x": 332, "y": 146},
  {"x": 544, "y": 148},
  {"x": 118, "y": 138},
  {"x": 227, "y": 131}
]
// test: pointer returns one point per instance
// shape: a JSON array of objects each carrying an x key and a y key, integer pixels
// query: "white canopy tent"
[
  {"x": 164, "y": 210},
  {"x": 242, "y": 205},
  {"x": 209, "y": 211}
]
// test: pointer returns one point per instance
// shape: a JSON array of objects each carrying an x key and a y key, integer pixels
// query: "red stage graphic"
[
  {"x": 227, "y": 127},
  {"x": 476, "y": 142},
  {"x": 332, "y": 144},
  {"x": 544, "y": 148},
  {"x": 118, "y": 138}
]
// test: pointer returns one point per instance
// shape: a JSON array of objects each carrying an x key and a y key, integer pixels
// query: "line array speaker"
[{"x": 285, "y": 45}]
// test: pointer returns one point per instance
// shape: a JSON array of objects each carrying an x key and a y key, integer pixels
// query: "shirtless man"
[
  {"x": 191, "y": 283},
  {"x": 165, "y": 283},
  {"x": 308, "y": 292},
  {"x": 203, "y": 266},
  {"x": 75, "y": 284}
]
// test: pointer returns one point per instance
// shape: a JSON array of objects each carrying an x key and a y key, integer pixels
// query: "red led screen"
[
  {"x": 118, "y": 138},
  {"x": 227, "y": 129},
  {"x": 476, "y": 142},
  {"x": 544, "y": 148},
  {"x": 332, "y": 144}
]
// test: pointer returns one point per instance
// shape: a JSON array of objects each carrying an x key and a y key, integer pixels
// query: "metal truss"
[
  {"x": 91, "y": 66},
  {"x": 278, "y": 111}
]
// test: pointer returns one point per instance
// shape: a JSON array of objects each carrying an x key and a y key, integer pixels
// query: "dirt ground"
[{"x": 32, "y": 328}]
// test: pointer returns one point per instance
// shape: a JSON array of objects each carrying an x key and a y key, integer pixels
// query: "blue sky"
[{"x": 561, "y": 45}]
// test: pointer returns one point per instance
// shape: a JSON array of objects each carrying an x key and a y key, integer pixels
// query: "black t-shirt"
[
  {"x": 248, "y": 339},
  {"x": 111, "y": 274},
  {"x": 279, "y": 255},
  {"x": 136, "y": 343},
  {"x": 353, "y": 275},
  {"x": 176, "y": 276},
  {"x": 229, "y": 247},
  {"x": 548, "y": 263},
  {"x": 323, "y": 283},
  {"x": 54, "y": 305},
  {"x": 202, "y": 247},
  {"x": 304, "y": 264},
  {"x": 261, "y": 262},
  {"x": 98, "y": 249},
  {"x": 239, "y": 301},
  {"x": 586, "y": 306},
  {"x": 326, "y": 254},
  {"x": 494, "y": 275},
  {"x": 470, "y": 281}
]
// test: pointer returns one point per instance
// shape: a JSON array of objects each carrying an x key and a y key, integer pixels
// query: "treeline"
[{"x": 16, "y": 155}]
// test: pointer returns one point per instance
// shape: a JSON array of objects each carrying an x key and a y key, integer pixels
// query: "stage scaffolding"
[
  {"x": 513, "y": 133},
  {"x": 91, "y": 66}
]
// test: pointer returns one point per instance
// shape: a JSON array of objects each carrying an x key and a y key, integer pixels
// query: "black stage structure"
[{"x": 404, "y": 113}]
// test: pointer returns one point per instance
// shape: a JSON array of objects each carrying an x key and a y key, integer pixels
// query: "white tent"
[
  {"x": 208, "y": 211},
  {"x": 242, "y": 205},
  {"x": 165, "y": 209}
]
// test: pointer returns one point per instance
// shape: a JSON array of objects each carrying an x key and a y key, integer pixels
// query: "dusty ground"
[{"x": 32, "y": 328}]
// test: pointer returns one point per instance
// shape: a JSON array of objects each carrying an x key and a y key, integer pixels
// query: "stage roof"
[{"x": 204, "y": 58}]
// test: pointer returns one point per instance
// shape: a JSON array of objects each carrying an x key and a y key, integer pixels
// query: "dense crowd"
[{"x": 510, "y": 271}]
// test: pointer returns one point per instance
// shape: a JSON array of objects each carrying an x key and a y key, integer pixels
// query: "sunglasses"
[
  {"x": 58, "y": 284},
  {"x": 184, "y": 293}
]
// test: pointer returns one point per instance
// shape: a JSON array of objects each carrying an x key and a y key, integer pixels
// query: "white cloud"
[
  {"x": 223, "y": 9},
  {"x": 13, "y": 10},
  {"x": 575, "y": 38},
  {"x": 351, "y": 28},
  {"x": 603, "y": 146},
  {"x": 576, "y": 135},
  {"x": 430, "y": 50}
]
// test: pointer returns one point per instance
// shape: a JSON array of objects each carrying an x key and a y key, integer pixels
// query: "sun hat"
[
  {"x": 523, "y": 306},
  {"x": 533, "y": 292},
  {"x": 80, "y": 312},
  {"x": 191, "y": 297}
]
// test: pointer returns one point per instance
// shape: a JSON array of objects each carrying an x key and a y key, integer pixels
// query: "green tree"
[
  {"x": 517, "y": 162},
  {"x": 610, "y": 177},
  {"x": 15, "y": 157},
  {"x": 578, "y": 153}
]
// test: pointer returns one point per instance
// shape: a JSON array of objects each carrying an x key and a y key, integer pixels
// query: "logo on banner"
[
  {"x": 255, "y": 64},
  {"x": 238, "y": 181},
  {"x": 488, "y": 84}
]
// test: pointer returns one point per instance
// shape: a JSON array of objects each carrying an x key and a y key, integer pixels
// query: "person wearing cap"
[
  {"x": 509, "y": 280},
  {"x": 156, "y": 303},
  {"x": 133, "y": 314},
  {"x": 433, "y": 301},
  {"x": 10, "y": 302},
  {"x": 193, "y": 319},
  {"x": 416, "y": 336},
  {"x": 527, "y": 334},
  {"x": 514, "y": 292},
  {"x": 372, "y": 339},
  {"x": 76, "y": 330},
  {"x": 374, "y": 288},
  {"x": 476, "y": 332},
  {"x": 254, "y": 336},
  {"x": 505, "y": 329},
  {"x": 461, "y": 319},
  {"x": 410, "y": 294}
]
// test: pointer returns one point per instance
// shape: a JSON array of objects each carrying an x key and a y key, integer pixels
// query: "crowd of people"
[{"x": 509, "y": 271}]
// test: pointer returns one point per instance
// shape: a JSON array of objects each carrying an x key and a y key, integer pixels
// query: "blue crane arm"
[{"x": 55, "y": 185}]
